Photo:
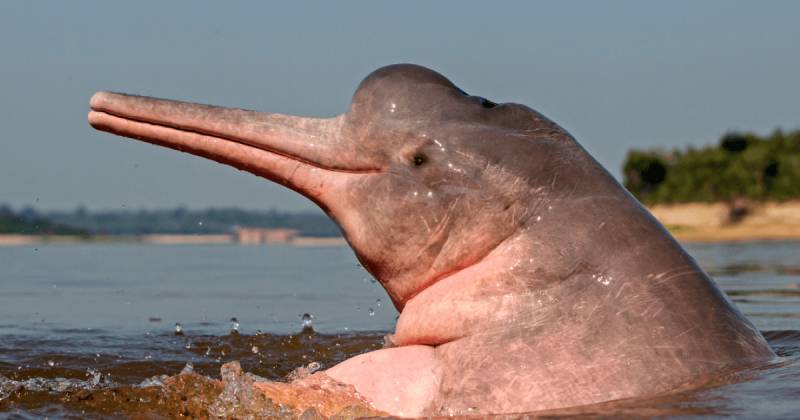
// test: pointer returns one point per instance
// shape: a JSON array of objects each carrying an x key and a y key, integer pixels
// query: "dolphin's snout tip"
[
  {"x": 98, "y": 99},
  {"x": 98, "y": 103},
  {"x": 93, "y": 118}
]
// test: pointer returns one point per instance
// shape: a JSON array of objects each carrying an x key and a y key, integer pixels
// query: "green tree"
[{"x": 742, "y": 165}]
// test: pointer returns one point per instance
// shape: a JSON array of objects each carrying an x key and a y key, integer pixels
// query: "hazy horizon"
[{"x": 617, "y": 75}]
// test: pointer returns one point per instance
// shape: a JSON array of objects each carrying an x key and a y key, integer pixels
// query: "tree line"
[
  {"x": 739, "y": 166},
  {"x": 178, "y": 220},
  {"x": 32, "y": 223}
]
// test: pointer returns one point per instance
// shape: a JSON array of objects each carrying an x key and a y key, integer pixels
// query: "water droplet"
[
  {"x": 254, "y": 349},
  {"x": 307, "y": 323},
  {"x": 234, "y": 326},
  {"x": 178, "y": 329},
  {"x": 378, "y": 302},
  {"x": 189, "y": 368},
  {"x": 199, "y": 223},
  {"x": 95, "y": 375},
  {"x": 259, "y": 332},
  {"x": 314, "y": 366},
  {"x": 51, "y": 363},
  {"x": 603, "y": 279},
  {"x": 371, "y": 312}
]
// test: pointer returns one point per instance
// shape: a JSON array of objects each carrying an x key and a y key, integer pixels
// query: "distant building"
[{"x": 256, "y": 236}]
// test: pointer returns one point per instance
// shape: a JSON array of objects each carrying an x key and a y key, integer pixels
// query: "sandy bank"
[
  {"x": 690, "y": 222},
  {"x": 711, "y": 222},
  {"x": 163, "y": 239}
]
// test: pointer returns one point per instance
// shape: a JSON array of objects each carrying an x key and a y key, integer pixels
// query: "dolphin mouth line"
[{"x": 242, "y": 142}]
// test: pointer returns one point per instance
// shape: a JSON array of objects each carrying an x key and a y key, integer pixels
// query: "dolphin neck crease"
[{"x": 485, "y": 297}]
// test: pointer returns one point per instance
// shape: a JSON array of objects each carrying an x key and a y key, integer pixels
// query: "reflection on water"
[
  {"x": 141, "y": 288},
  {"x": 763, "y": 279},
  {"x": 83, "y": 328}
]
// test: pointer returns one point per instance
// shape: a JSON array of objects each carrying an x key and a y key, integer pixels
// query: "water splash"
[
  {"x": 314, "y": 366},
  {"x": 53, "y": 385},
  {"x": 157, "y": 380},
  {"x": 189, "y": 368},
  {"x": 239, "y": 399},
  {"x": 94, "y": 375},
  {"x": 307, "y": 323}
]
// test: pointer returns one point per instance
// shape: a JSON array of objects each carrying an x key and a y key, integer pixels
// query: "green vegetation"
[
  {"x": 170, "y": 221},
  {"x": 29, "y": 222},
  {"x": 741, "y": 166},
  {"x": 185, "y": 221}
]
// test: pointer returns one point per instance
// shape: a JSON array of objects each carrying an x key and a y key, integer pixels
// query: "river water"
[{"x": 103, "y": 317}]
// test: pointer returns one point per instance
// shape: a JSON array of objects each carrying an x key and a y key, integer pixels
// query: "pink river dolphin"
[{"x": 526, "y": 277}]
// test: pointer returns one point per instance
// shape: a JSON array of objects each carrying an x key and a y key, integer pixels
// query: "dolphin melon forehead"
[
  {"x": 399, "y": 77},
  {"x": 413, "y": 95},
  {"x": 409, "y": 87}
]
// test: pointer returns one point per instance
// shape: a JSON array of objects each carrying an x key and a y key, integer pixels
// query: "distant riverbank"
[
  {"x": 714, "y": 222},
  {"x": 161, "y": 239},
  {"x": 689, "y": 222}
]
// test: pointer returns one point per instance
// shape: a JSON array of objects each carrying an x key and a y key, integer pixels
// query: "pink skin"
[{"x": 526, "y": 276}]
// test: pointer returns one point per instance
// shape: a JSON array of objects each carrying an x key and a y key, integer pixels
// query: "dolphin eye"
[
  {"x": 487, "y": 103},
  {"x": 419, "y": 159}
]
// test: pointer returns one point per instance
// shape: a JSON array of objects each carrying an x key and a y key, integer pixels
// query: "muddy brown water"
[{"x": 89, "y": 330}]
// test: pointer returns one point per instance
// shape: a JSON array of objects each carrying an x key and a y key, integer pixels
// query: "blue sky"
[{"x": 617, "y": 75}]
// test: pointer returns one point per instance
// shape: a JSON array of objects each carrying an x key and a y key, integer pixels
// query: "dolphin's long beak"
[{"x": 300, "y": 153}]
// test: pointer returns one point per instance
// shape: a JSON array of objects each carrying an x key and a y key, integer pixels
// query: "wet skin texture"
[{"x": 526, "y": 276}]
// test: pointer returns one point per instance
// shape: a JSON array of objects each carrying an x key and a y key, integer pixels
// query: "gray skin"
[{"x": 537, "y": 280}]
